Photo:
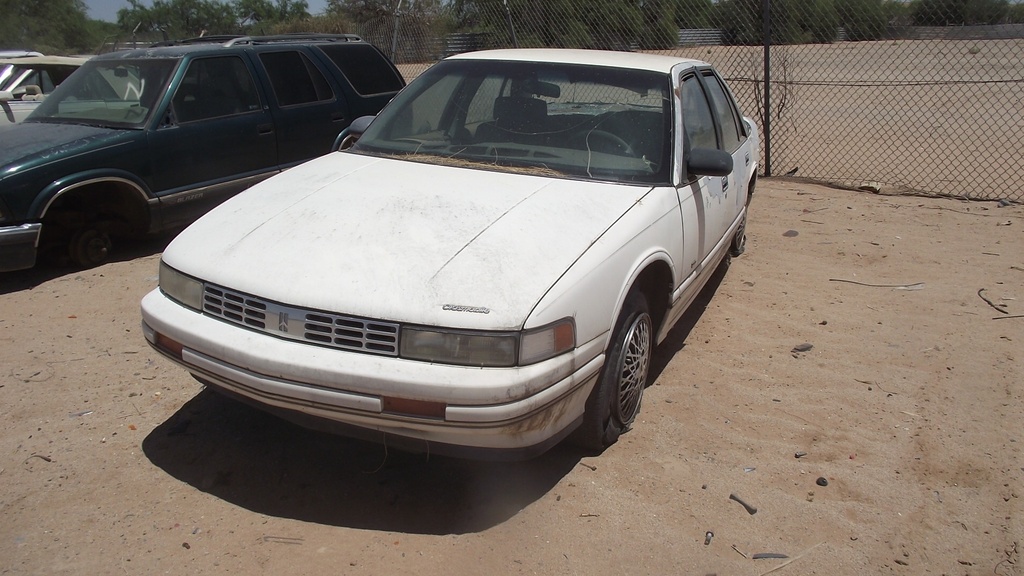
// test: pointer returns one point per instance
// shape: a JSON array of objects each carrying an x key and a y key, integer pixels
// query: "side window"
[
  {"x": 364, "y": 67},
  {"x": 697, "y": 119},
  {"x": 725, "y": 110},
  {"x": 214, "y": 87},
  {"x": 295, "y": 79}
]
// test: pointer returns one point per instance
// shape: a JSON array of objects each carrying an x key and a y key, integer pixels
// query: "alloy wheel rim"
[{"x": 633, "y": 367}]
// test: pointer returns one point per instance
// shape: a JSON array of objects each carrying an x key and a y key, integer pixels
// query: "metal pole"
[
  {"x": 766, "y": 6},
  {"x": 394, "y": 35},
  {"x": 511, "y": 27}
]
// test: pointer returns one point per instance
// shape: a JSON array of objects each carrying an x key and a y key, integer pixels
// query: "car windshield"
[
  {"x": 112, "y": 93},
  {"x": 573, "y": 121}
]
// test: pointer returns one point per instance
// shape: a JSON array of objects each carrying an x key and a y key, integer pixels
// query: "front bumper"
[
  {"x": 18, "y": 246},
  {"x": 484, "y": 411}
]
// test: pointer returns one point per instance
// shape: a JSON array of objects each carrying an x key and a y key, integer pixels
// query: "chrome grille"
[{"x": 313, "y": 326}]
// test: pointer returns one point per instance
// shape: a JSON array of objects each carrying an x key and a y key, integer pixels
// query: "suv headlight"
[{"x": 183, "y": 289}]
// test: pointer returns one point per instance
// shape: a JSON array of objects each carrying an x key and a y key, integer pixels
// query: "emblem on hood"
[{"x": 460, "y": 308}]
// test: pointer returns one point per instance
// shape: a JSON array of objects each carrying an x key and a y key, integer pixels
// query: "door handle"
[
  {"x": 262, "y": 129},
  {"x": 337, "y": 117}
]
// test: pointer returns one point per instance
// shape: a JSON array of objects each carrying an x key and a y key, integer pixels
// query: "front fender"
[{"x": 51, "y": 193}]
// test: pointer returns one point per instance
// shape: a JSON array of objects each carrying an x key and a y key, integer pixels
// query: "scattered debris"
[
  {"x": 750, "y": 509},
  {"x": 805, "y": 347},
  {"x": 589, "y": 515},
  {"x": 989, "y": 302},
  {"x": 800, "y": 454},
  {"x": 790, "y": 233},
  {"x": 740, "y": 552},
  {"x": 282, "y": 540},
  {"x": 708, "y": 536},
  {"x": 914, "y": 286},
  {"x": 821, "y": 481},
  {"x": 77, "y": 414},
  {"x": 186, "y": 546},
  {"x": 873, "y": 187},
  {"x": 794, "y": 559},
  {"x": 749, "y": 469},
  {"x": 40, "y": 456},
  {"x": 591, "y": 466},
  {"x": 766, "y": 555}
]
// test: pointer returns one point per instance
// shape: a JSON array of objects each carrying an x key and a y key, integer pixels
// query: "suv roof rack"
[{"x": 231, "y": 40}]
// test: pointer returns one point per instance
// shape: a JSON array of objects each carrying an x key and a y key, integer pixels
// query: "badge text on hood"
[{"x": 459, "y": 308}]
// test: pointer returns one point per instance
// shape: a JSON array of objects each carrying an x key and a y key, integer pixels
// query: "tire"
[
  {"x": 89, "y": 247},
  {"x": 615, "y": 400},
  {"x": 739, "y": 240}
]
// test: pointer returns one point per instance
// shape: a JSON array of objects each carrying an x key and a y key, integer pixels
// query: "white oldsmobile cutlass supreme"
[{"x": 486, "y": 270}]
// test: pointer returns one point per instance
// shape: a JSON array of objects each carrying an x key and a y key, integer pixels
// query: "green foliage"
[
  {"x": 48, "y": 26},
  {"x": 959, "y": 12},
  {"x": 817, "y": 20},
  {"x": 862, "y": 19},
  {"x": 266, "y": 12},
  {"x": 659, "y": 30},
  {"x": 1016, "y": 14},
  {"x": 693, "y": 13}
]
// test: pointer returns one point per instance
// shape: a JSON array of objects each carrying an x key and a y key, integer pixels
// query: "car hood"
[
  {"x": 402, "y": 241},
  {"x": 31, "y": 143}
]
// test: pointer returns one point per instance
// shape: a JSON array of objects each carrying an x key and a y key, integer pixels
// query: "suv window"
[
  {"x": 213, "y": 87},
  {"x": 295, "y": 79},
  {"x": 728, "y": 118},
  {"x": 365, "y": 67},
  {"x": 697, "y": 119}
]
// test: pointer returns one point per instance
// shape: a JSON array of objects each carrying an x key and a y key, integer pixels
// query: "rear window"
[{"x": 367, "y": 70}]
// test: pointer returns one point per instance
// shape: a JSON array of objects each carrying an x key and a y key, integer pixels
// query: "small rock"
[
  {"x": 806, "y": 346},
  {"x": 821, "y": 481}
]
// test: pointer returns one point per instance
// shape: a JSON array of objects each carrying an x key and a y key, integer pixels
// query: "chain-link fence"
[{"x": 921, "y": 97}]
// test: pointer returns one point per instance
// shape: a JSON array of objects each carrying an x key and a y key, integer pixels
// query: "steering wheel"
[{"x": 603, "y": 141}]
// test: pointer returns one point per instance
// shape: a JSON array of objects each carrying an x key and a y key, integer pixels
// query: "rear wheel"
[
  {"x": 739, "y": 240},
  {"x": 89, "y": 247},
  {"x": 615, "y": 399}
]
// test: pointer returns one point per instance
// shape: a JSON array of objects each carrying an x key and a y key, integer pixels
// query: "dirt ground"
[{"x": 908, "y": 403}]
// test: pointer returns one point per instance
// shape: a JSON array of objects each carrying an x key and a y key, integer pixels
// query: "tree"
[
  {"x": 48, "y": 26},
  {"x": 693, "y": 13},
  {"x": 267, "y": 12},
  {"x": 959, "y": 12},
  {"x": 862, "y": 19},
  {"x": 179, "y": 18}
]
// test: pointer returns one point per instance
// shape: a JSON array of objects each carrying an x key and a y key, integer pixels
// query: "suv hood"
[
  {"x": 401, "y": 241},
  {"x": 34, "y": 143}
]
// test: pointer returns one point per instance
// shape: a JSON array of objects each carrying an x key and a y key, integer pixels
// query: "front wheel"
[
  {"x": 89, "y": 247},
  {"x": 615, "y": 400}
]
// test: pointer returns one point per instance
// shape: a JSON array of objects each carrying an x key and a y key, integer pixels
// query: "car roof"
[
  {"x": 29, "y": 61},
  {"x": 635, "y": 60},
  {"x": 213, "y": 44}
]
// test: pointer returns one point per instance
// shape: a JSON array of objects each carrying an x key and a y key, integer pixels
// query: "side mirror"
[
  {"x": 350, "y": 135},
  {"x": 709, "y": 162}
]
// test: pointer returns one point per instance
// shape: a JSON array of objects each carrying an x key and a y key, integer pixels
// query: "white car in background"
[
  {"x": 26, "y": 80},
  {"x": 487, "y": 270}
]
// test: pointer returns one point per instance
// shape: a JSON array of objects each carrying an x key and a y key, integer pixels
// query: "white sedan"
[{"x": 486, "y": 271}]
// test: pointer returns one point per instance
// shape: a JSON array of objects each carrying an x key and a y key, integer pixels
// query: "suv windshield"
[
  {"x": 113, "y": 93},
  {"x": 573, "y": 121}
]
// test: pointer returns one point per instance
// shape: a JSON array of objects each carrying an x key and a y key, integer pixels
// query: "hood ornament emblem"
[{"x": 461, "y": 308}]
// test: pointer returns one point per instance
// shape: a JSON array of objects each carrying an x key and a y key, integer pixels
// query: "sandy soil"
[{"x": 908, "y": 404}]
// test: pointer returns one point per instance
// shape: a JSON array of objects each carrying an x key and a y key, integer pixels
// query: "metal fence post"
[{"x": 766, "y": 30}]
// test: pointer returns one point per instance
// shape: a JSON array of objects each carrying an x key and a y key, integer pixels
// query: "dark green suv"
[{"x": 147, "y": 140}]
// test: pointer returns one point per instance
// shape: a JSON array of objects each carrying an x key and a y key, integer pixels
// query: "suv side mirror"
[
  {"x": 709, "y": 162},
  {"x": 350, "y": 135}
]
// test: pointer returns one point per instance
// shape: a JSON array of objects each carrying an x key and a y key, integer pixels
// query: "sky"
[{"x": 107, "y": 9}]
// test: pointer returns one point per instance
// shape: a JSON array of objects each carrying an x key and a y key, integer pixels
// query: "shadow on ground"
[
  {"x": 270, "y": 466},
  {"x": 50, "y": 268}
]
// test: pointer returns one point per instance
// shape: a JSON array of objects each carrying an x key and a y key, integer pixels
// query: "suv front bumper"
[{"x": 18, "y": 246}]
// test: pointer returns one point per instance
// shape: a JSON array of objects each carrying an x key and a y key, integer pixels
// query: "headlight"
[
  {"x": 547, "y": 342},
  {"x": 462, "y": 348},
  {"x": 488, "y": 349},
  {"x": 186, "y": 290}
]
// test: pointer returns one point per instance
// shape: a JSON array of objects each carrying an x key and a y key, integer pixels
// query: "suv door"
[
  {"x": 216, "y": 140},
  {"x": 308, "y": 113}
]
